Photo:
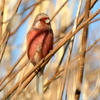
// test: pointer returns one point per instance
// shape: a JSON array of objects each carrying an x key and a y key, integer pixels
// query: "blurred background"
[{"x": 20, "y": 24}]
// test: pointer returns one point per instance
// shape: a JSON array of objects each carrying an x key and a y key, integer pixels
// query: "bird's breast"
[{"x": 35, "y": 49}]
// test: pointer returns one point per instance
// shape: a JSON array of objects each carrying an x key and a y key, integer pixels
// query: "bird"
[{"x": 39, "y": 44}]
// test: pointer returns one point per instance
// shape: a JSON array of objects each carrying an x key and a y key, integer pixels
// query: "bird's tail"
[{"x": 39, "y": 84}]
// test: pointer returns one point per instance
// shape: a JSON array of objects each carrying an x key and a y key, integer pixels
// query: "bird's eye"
[{"x": 40, "y": 19}]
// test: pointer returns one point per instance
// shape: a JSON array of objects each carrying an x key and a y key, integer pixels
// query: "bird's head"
[{"x": 42, "y": 21}]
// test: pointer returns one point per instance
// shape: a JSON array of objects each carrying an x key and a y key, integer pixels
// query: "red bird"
[{"x": 39, "y": 42}]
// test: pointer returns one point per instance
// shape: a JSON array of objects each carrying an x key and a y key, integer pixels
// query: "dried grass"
[{"x": 17, "y": 75}]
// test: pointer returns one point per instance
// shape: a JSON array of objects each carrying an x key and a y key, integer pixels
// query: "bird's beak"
[{"x": 47, "y": 21}]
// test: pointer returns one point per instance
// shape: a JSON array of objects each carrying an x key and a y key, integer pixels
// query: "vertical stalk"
[
  {"x": 1, "y": 18},
  {"x": 83, "y": 48},
  {"x": 69, "y": 52}
]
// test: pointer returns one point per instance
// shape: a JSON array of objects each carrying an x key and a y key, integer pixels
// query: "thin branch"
[
  {"x": 12, "y": 68},
  {"x": 4, "y": 47},
  {"x": 5, "y": 21},
  {"x": 37, "y": 3},
  {"x": 68, "y": 36},
  {"x": 59, "y": 9},
  {"x": 7, "y": 33},
  {"x": 26, "y": 9},
  {"x": 22, "y": 22},
  {"x": 1, "y": 18},
  {"x": 16, "y": 73},
  {"x": 82, "y": 50},
  {"x": 69, "y": 54},
  {"x": 27, "y": 81},
  {"x": 8, "y": 26},
  {"x": 65, "y": 50},
  {"x": 94, "y": 20},
  {"x": 17, "y": 6},
  {"x": 56, "y": 74}
]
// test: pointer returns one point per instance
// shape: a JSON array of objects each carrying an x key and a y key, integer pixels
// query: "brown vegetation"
[{"x": 73, "y": 66}]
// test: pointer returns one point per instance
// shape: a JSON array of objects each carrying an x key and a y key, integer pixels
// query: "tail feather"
[{"x": 39, "y": 84}]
